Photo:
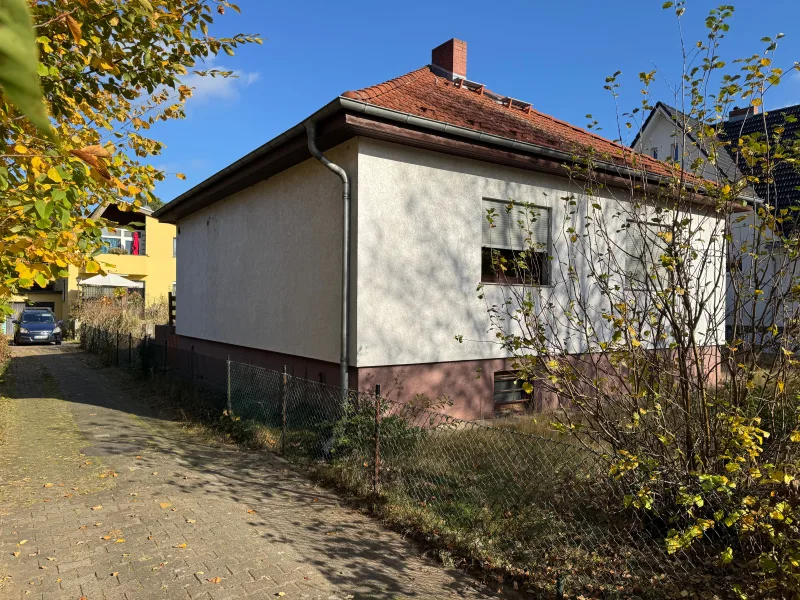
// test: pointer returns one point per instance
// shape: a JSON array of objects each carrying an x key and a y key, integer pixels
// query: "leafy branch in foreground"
[
  {"x": 108, "y": 71},
  {"x": 668, "y": 333}
]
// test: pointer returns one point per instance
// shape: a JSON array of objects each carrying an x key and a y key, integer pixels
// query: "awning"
[{"x": 111, "y": 280}]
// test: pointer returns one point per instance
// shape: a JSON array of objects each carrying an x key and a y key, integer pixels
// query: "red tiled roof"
[{"x": 424, "y": 94}]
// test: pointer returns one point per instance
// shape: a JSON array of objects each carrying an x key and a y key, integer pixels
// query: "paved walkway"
[{"x": 102, "y": 499}]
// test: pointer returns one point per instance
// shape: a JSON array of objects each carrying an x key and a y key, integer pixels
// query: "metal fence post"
[
  {"x": 376, "y": 475},
  {"x": 230, "y": 404},
  {"x": 283, "y": 411}
]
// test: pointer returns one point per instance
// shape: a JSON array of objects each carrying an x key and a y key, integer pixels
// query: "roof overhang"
[{"x": 345, "y": 118}]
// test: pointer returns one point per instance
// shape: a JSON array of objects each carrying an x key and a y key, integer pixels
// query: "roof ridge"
[{"x": 374, "y": 91}]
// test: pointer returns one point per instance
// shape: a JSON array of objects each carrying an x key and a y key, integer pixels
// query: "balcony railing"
[{"x": 125, "y": 244}]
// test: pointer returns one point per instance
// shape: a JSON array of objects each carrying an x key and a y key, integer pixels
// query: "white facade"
[
  {"x": 262, "y": 268},
  {"x": 661, "y": 136},
  {"x": 419, "y": 253}
]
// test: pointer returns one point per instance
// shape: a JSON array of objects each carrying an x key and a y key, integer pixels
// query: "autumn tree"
[
  {"x": 83, "y": 81},
  {"x": 669, "y": 332}
]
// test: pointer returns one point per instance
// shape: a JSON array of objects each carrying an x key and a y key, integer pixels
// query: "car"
[{"x": 37, "y": 326}]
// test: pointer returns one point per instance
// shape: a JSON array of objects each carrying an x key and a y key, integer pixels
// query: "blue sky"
[{"x": 553, "y": 54}]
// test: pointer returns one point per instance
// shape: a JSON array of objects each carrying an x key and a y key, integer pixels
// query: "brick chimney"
[
  {"x": 451, "y": 57},
  {"x": 737, "y": 114}
]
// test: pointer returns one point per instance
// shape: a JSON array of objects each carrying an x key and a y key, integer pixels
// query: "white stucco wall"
[
  {"x": 419, "y": 253},
  {"x": 262, "y": 268},
  {"x": 661, "y": 133}
]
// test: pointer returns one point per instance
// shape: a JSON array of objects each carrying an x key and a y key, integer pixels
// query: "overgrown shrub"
[{"x": 124, "y": 314}]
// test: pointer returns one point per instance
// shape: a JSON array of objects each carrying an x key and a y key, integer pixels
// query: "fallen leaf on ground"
[
  {"x": 51, "y": 558},
  {"x": 155, "y": 472},
  {"x": 191, "y": 521},
  {"x": 201, "y": 573},
  {"x": 183, "y": 545},
  {"x": 115, "y": 573},
  {"x": 214, "y": 580},
  {"x": 149, "y": 537},
  {"x": 106, "y": 537},
  {"x": 165, "y": 504},
  {"x": 48, "y": 485},
  {"x": 22, "y": 542},
  {"x": 251, "y": 511},
  {"x": 82, "y": 527},
  {"x": 42, "y": 567},
  {"x": 138, "y": 458},
  {"x": 98, "y": 507},
  {"x": 98, "y": 524},
  {"x": 281, "y": 594},
  {"x": 15, "y": 553},
  {"x": 119, "y": 540}
]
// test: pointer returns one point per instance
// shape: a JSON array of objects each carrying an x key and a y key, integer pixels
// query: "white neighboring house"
[
  {"x": 259, "y": 250},
  {"x": 668, "y": 134}
]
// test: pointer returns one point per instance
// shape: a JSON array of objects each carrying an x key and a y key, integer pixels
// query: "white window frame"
[{"x": 500, "y": 207}]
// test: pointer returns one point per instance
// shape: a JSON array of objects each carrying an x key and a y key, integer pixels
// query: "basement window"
[
  {"x": 508, "y": 388},
  {"x": 515, "y": 243}
]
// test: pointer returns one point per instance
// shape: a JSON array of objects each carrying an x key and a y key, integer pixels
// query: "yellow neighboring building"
[{"x": 140, "y": 258}]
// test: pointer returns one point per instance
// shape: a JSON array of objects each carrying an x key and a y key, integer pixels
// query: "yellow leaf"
[
  {"x": 215, "y": 580},
  {"x": 119, "y": 541},
  {"x": 48, "y": 485},
  {"x": 165, "y": 504},
  {"x": 98, "y": 507},
  {"x": 22, "y": 542},
  {"x": 74, "y": 28},
  {"x": 180, "y": 176},
  {"x": 23, "y": 270},
  {"x": 15, "y": 553},
  {"x": 92, "y": 266},
  {"x": 183, "y": 545},
  {"x": 53, "y": 174}
]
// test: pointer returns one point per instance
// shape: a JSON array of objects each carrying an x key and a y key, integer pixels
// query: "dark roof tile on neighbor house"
[{"x": 785, "y": 184}]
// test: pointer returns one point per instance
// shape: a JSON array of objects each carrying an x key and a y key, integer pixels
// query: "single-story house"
[{"x": 359, "y": 266}]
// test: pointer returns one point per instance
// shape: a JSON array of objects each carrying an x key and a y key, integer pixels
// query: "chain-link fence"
[{"x": 541, "y": 510}]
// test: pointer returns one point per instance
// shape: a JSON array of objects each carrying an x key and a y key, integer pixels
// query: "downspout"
[{"x": 344, "y": 358}]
